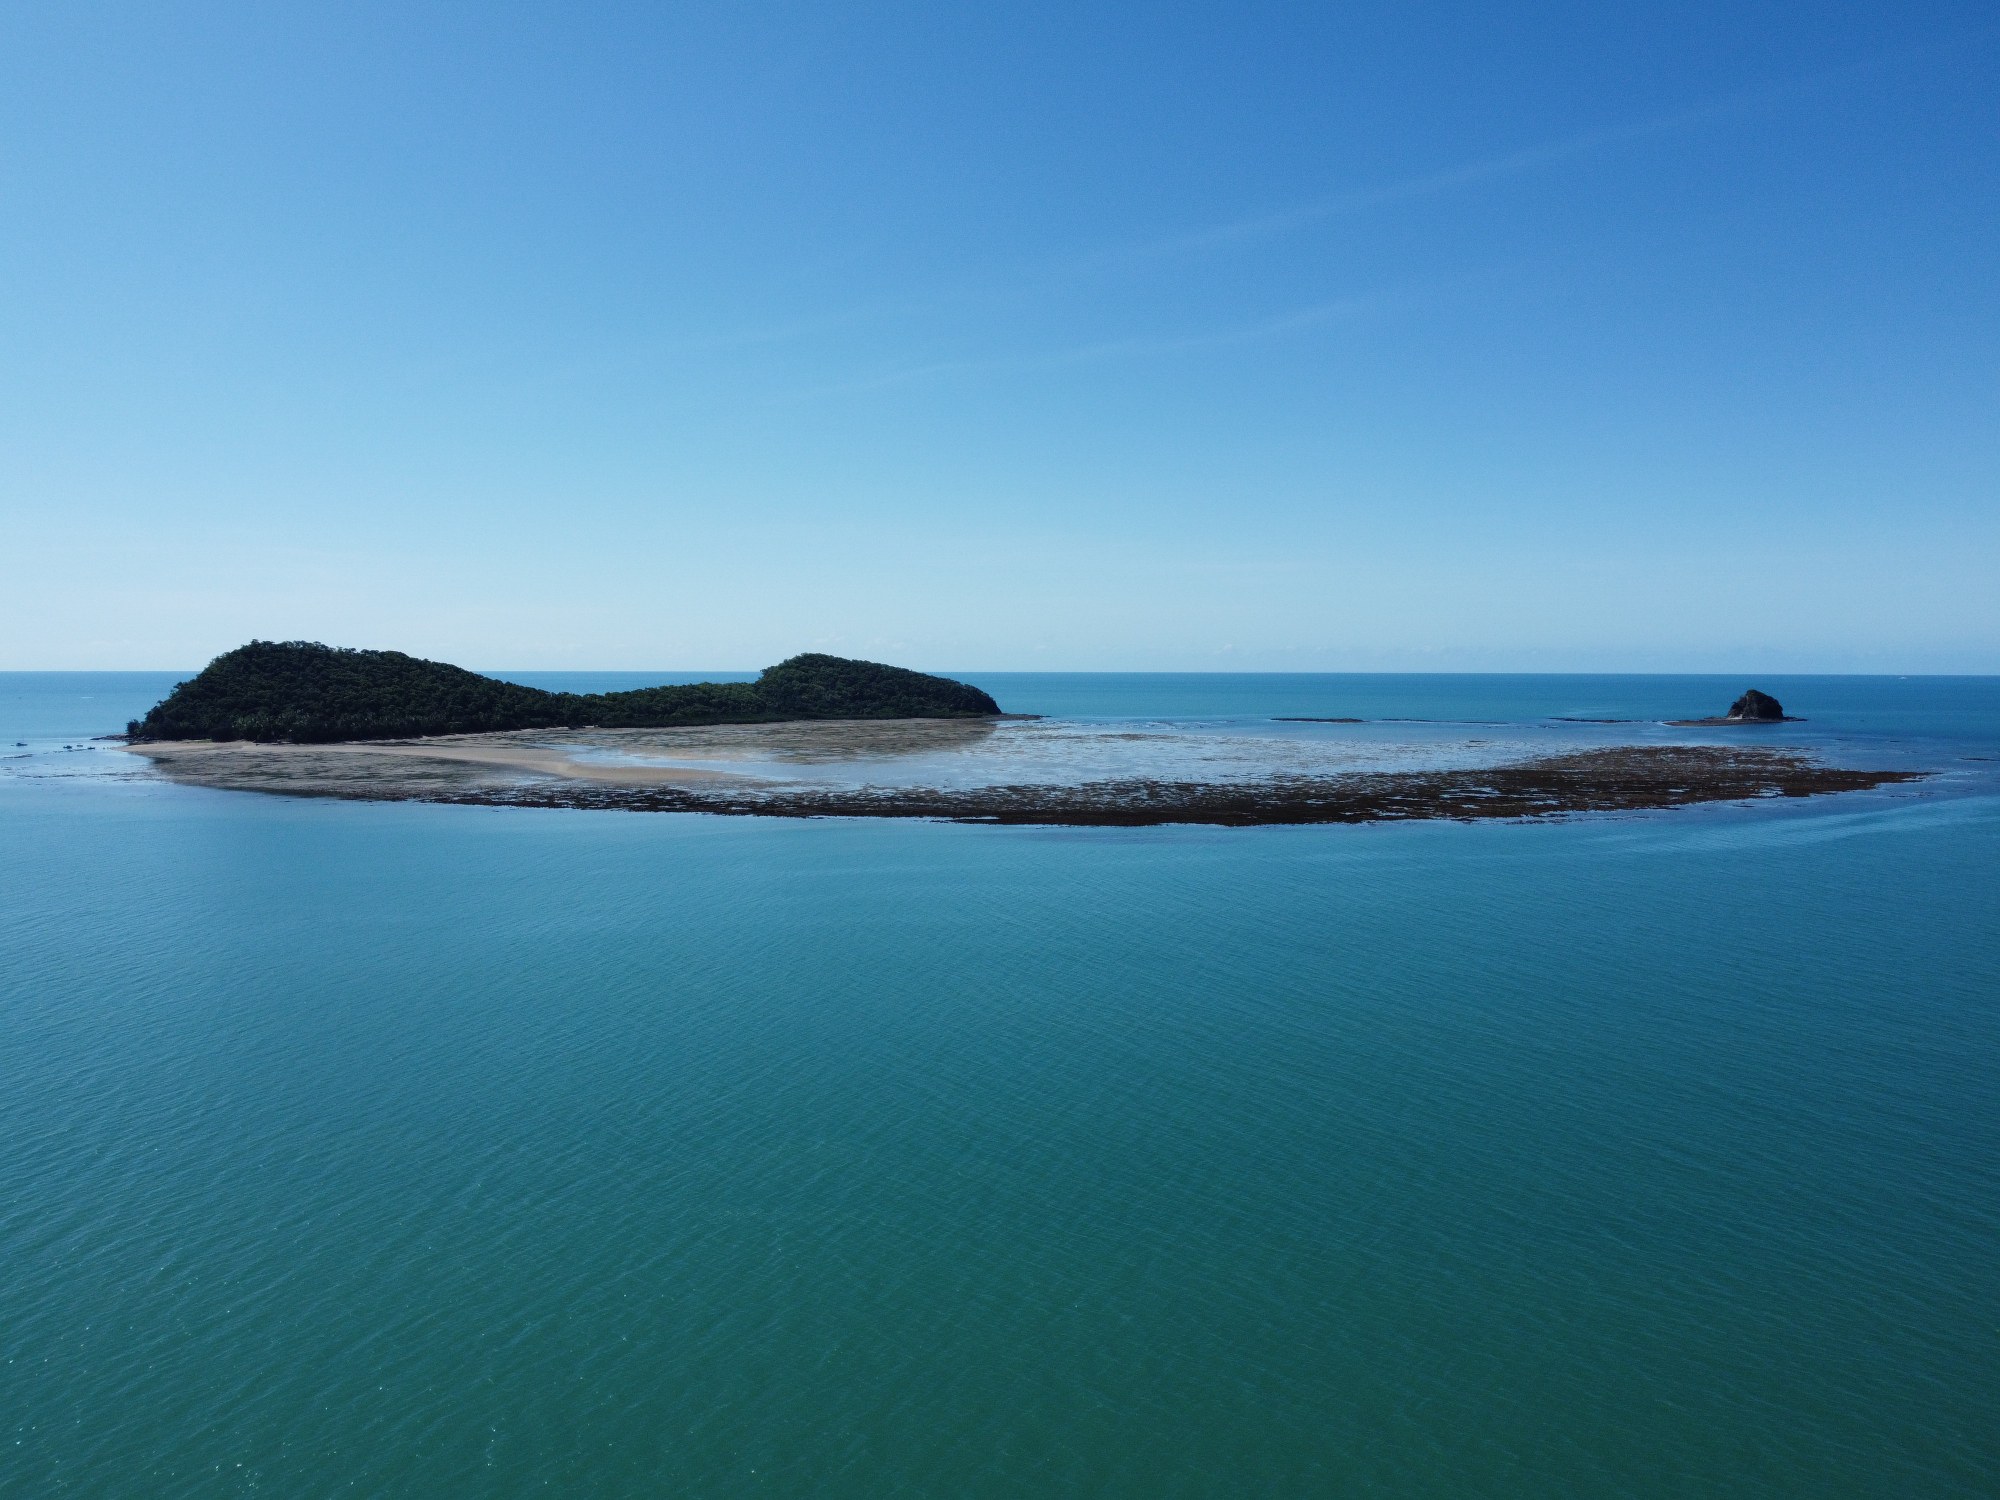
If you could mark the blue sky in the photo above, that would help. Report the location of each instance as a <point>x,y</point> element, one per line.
<point>1072,336</point>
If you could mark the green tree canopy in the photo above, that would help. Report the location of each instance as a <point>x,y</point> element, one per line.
<point>304,692</point>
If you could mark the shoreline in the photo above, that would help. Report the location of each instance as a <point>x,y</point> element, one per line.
<point>1712,723</point>
<point>188,757</point>
<point>1633,778</point>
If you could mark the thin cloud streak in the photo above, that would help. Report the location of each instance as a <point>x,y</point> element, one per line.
<point>1486,169</point>
<point>1249,230</point>
<point>1297,320</point>
<point>1109,349</point>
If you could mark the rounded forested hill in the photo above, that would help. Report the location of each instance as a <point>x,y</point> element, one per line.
<point>308,693</point>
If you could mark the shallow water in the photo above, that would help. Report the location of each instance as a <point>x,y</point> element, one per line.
<point>1066,752</point>
<point>408,1150</point>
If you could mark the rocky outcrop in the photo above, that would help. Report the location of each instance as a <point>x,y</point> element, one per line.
<point>1755,707</point>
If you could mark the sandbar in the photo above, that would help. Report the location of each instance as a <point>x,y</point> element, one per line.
<point>553,769</point>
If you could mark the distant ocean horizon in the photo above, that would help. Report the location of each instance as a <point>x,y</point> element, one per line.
<point>442,1151</point>
<point>1110,693</point>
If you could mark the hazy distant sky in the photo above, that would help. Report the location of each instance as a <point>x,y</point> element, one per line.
<point>1003,336</point>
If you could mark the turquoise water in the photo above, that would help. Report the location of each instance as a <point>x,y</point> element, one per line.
<point>405,1150</point>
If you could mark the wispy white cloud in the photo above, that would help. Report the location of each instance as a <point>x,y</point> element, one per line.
<point>1023,283</point>
<point>1304,319</point>
<point>1521,162</point>
<point>1296,320</point>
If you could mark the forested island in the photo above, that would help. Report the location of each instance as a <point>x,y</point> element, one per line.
<point>301,692</point>
<point>302,719</point>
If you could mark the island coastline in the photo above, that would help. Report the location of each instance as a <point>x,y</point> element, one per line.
<point>474,771</point>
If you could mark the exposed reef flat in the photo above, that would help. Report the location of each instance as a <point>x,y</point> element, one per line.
<point>513,771</point>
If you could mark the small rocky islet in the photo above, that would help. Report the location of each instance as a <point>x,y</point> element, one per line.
<point>1753,707</point>
<point>1756,706</point>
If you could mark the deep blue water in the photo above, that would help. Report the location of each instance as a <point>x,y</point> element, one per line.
<point>406,1150</point>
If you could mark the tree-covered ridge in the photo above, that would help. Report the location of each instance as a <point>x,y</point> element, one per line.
<point>308,693</point>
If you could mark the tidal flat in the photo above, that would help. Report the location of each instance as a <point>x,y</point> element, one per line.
<point>1017,772</point>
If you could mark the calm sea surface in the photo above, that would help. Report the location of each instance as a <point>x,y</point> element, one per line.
<point>395,1150</point>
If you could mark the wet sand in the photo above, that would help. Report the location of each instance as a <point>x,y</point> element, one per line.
<point>554,769</point>
<point>471,758</point>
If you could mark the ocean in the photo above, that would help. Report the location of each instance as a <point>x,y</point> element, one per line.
<point>407,1150</point>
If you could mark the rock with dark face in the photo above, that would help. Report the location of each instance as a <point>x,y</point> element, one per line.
<point>1756,706</point>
